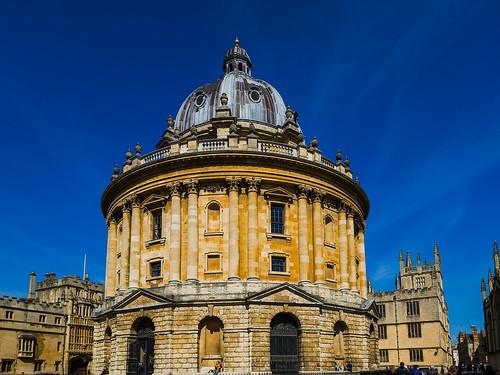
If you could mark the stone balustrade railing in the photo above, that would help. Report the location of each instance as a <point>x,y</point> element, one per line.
<point>212,145</point>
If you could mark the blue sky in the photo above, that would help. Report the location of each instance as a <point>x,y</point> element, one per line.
<point>408,90</point>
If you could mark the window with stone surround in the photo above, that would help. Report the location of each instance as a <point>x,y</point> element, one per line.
<point>381,310</point>
<point>278,264</point>
<point>213,263</point>
<point>213,219</point>
<point>416,355</point>
<point>382,332</point>
<point>7,365</point>
<point>329,231</point>
<point>420,281</point>
<point>41,318</point>
<point>413,308</point>
<point>26,346</point>
<point>414,330</point>
<point>277,218</point>
<point>278,202</point>
<point>330,271</point>
<point>155,268</point>
<point>57,320</point>
<point>156,228</point>
<point>384,355</point>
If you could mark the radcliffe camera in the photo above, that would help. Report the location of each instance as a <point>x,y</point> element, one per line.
<point>266,188</point>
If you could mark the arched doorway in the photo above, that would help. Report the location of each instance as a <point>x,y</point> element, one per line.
<point>211,343</point>
<point>284,345</point>
<point>78,365</point>
<point>140,359</point>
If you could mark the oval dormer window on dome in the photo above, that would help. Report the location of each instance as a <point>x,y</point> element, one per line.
<point>254,95</point>
<point>200,99</point>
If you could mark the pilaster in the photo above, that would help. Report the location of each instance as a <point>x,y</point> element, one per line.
<point>192,251</point>
<point>175,233</point>
<point>233,189</point>
<point>253,227</point>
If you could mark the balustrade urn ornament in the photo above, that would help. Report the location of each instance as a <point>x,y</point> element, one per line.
<point>251,128</point>
<point>116,172</point>
<point>128,154</point>
<point>289,113</point>
<point>138,149</point>
<point>314,143</point>
<point>339,156</point>
<point>232,128</point>
<point>170,123</point>
<point>301,138</point>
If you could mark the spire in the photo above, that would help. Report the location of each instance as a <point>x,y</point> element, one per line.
<point>437,258</point>
<point>490,280</point>
<point>370,287</point>
<point>401,261</point>
<point>409,263</point>
<point>496,257</point>
<point>483,289</point>
<point>398,283</point>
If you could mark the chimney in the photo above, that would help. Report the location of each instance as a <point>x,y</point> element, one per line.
<point>31,290</point>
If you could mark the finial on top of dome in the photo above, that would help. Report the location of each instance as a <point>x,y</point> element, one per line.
<point>236,42</point>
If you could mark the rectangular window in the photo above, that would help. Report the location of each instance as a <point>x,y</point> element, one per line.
<point>41,319</point>
<point>213,263</point>
<point>57,320</point>
<point>59,346</point>
<point>38,365</point>
<point>413,308</point>
<point>9,314</point>
<point>420,281</point>
<point>277,218</point>
<point>155,268</point>
<point>26,347</point>
<point>384,355</point>
<point>7,365</point>
<point>382,332</point>
<point>278,263</point>
<point>330,271</point>
<point>414,330</point>
<point>157,224</point>
<point>381,310</point>
<point>416,355</point>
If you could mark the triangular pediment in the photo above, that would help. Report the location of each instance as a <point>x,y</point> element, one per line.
<point>141,298</point>
<point>370,306</point>
<point>285,293</point>
<point>279,193</point>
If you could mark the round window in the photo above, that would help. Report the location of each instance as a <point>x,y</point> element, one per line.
<point>200,99</point>
<point>254,95</point>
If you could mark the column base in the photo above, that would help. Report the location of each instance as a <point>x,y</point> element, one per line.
<point>253,278</point>
<point>319,283</point>
<point>174,282</point>
<point>192,281</point>
<point>305,283</point>
<point>233,278</point>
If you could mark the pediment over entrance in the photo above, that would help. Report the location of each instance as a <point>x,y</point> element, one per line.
<point>285,293</point>
<point>370,306</point>
<point>141,298</point>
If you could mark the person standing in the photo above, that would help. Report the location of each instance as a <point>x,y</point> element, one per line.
<point>402,370</point>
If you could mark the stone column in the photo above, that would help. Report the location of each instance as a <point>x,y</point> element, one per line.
<point>192,240</point>
<point>303,234</point>
<point>125,250</point>
<point>344,272</point>
<point>111,258</point>
<point>351,251</point>
<point>175,233</point>
<point>135,237</point>
<point>362,261</point>
<point>253,226</point>
<point>234,228</point>
<point>319,267</point>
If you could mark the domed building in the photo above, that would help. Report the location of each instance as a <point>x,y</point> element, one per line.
<point>234,241</point>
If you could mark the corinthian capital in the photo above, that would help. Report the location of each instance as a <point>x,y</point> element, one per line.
<point>134,201</point>
<point>110,219</point>
<point>125,205</point>
<point>233,183</point>
<point>303,191</point>
<point>317,195</point>
<point>253,184</point>
<point>192,186</point>
<point>174,188</point>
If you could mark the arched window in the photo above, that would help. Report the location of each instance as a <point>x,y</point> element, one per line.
<point>214,224</point>
<point>211,343</point>
<point>284,344</point>
<point>340,331</point>
<point>329,230</point>
<point>140,359</point>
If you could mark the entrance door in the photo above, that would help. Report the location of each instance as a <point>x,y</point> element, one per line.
<point>140,359</point>
<point>284,345</point>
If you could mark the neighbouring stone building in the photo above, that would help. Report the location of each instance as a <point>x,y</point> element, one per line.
<point>50,331</point>
<point>471,347</point>
<point>234,241</point>
<point>413,326</point>
<point>491,308</point>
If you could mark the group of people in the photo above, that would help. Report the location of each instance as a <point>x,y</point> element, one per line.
<point>482,369</point>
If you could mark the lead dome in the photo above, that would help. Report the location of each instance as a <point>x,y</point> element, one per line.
<point>248,98</point>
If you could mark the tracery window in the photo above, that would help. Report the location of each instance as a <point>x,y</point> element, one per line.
<point>420,281</point>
